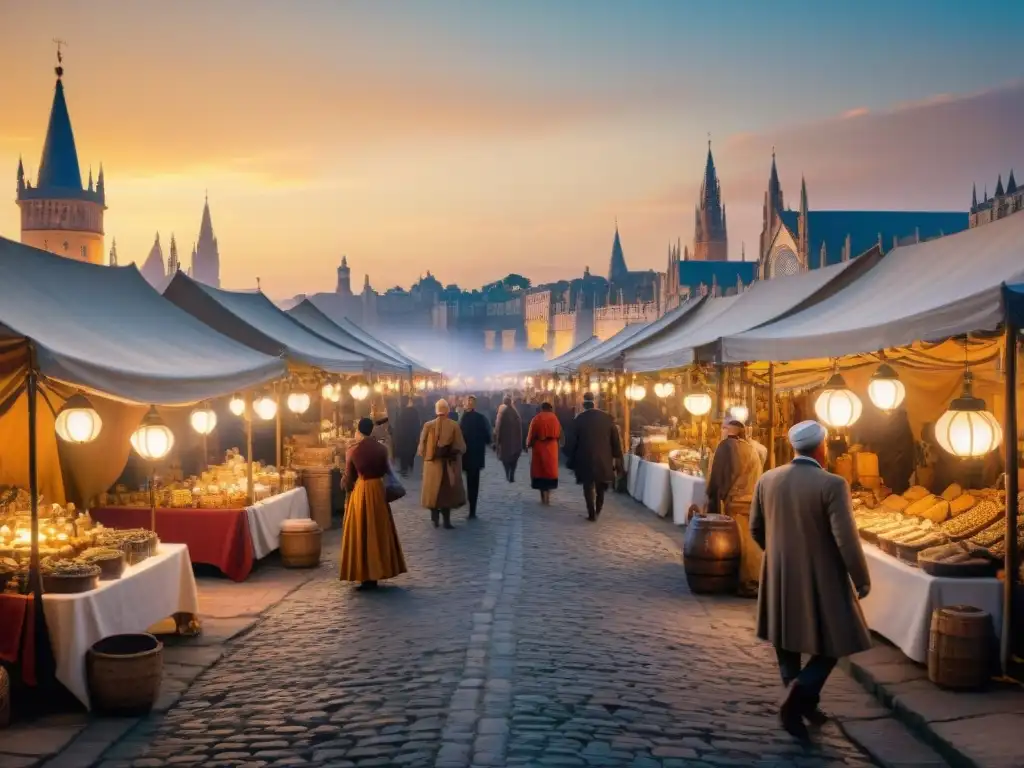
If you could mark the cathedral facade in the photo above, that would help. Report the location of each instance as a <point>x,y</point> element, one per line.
<point>58,213</point>
<point>1002,204</point>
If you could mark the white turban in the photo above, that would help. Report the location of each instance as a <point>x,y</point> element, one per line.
<point>807,435</point>
<point>441,406</point>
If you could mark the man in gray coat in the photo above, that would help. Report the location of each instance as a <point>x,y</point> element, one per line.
<point>594,452</point>
<point>802,516</point>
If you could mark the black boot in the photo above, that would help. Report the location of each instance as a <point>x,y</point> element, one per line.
<point>447,514</point>
<point>435,517</point>
<point>367,585</point>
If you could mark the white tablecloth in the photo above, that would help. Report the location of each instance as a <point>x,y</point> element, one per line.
<point>265,519</point>
<point>634,468</point>
<point>686,490</point>
<point>902,599</point>
<point>151,591</point>
<point>656,493</point>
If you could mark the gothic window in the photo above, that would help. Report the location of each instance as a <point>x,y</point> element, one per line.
<point>784,262</point>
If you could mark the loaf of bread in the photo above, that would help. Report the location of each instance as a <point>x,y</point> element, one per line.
<point>917,508</point>
<point>895,503</point>
<point>961,504</point>
<point>952,492</point>
<point>916,492</point>
<point>937,512</point>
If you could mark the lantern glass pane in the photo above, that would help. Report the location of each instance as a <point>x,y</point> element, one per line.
<point>298,402</point>
<point>152,441</point>
<point>838,408</point>
<point>203,421</point>
<point>237,406</point>
<point>698,404</point>
<point>886,394</point>
<point>968,434</point>
<point>78,425</point>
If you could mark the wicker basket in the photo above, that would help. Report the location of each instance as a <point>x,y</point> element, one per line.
<point>70,585</point>
<point>124,673</point>
<point>5,698</point>
<point>317,481</point>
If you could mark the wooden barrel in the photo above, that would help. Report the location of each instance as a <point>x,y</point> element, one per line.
<point>301,549</point>
<point>317,481</point>
<point>711,555</point>
<point>124,673</point>
<point>960,647</point>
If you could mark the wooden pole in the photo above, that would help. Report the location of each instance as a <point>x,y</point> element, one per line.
<point>1008,636</point>
<point>277,429</point>
<point>626,413</point>
<point>248,446</point>
<point>32,388</point>
<point>720,405</point>
<point>771,415</point>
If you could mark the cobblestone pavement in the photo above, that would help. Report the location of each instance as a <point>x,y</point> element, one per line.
<point>529,637</point>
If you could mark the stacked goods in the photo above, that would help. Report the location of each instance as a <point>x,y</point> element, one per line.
<point>136,543</point>
<point>976,519</point>
<point>954,560</point>
<point>69,577</point>
<point>110,561</point>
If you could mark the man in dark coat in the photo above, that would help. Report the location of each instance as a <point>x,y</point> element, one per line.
<point>593,452</point>
<point>508,437</point>
<point>802,517</point>
<point>407,436</point>
<point>476,431</point>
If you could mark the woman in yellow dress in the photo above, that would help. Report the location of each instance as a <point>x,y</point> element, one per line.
<point>370,549</point>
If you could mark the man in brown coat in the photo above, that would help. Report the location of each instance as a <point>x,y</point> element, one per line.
<point>442,448</point>
<point>802,517</point>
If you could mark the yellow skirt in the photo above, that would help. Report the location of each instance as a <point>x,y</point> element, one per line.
<point>370,550</point>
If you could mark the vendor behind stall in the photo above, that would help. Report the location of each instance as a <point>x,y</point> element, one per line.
<point>889,436</point>
<point>732,476</point>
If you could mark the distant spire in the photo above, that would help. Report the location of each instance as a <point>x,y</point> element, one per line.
<point>985,197</point>
<point>21,174</point>
<point>173,263</point>
<point>101,187</point>
<point>743,251</point>
<point>1011,184</point>
<point>59,167</point>
<point>803,194</point>
<point>617,269</point>
<point>823,256</point>
<point>775,200</point>
<point>999,187</point>
<point>90,179</point>
<point>113,253</point>
<point>974,197</point>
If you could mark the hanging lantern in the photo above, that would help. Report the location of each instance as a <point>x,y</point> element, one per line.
<point>837,406</point>
<point>298,402</point>
<point>885,390</point>
<point>664,389</point>
<point>203,420</point>
<point>378,387</point>
<point>327,391</point>
<point>237,405</point>
<point>595,387</point>
<point>967,429</point>
<point>359,391</point>
<point>265,407</point>
<point>697,403</point>
<point>78,422</point>
<point>153,440</point>
<point>740,412</point>
<point>635,392</point>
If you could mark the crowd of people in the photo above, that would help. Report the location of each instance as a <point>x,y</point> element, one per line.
<point>800,552</point>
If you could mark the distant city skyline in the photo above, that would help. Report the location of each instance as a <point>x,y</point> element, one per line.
<point>476,140</point>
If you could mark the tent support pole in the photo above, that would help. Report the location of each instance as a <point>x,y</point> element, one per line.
<point>1008,638</point>
<point>277,429</point>
<point>32,388</point>
<point>626,403</point>
<point>720,405</point>
<point>248,447</point>
<point>771,415</point>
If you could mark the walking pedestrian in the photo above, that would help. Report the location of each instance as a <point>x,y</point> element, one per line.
<point>594,452</point>
<point>542,439</point>
<point>802,517</point>
<point>442,447</point>
<point>734,472</point>
<point>508,437</point>
<point>408,435</point>
<point>370,549</point>
<point>476,431</point>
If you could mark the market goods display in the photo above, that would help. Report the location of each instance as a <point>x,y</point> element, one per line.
<point>955,560</point>
<point>975,520</point>
<point>69,577</point>
<point>685,460</point>
<point>111,561</point>
<point>136,543</point>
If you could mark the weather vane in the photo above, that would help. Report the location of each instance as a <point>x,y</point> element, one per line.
<point>60,56</point>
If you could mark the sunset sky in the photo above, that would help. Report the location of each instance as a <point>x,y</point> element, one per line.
<point>477,138</point>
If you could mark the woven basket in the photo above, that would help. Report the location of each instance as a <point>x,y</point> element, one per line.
<point>5,698</point>
<point>124,673</point>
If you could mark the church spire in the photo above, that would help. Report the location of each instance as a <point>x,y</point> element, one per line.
<point>1011,184</point>
<point>999,186</point>
<point>974,198</point>
<point>173,263</point>
<point>617,266</point>
<point>710,240</point>
<point>113,253</point>
<point>59,167</point>
<point>774,187</point>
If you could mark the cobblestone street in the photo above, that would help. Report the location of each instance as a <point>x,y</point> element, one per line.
<point>528,637</point>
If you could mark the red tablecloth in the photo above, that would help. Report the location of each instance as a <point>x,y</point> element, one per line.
<point>218,537</point>
<point>18,634</point>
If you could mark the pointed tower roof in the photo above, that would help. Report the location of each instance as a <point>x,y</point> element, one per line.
<point>709,187</point>
<point>999,187</point>
<point>774,187</point>
<point>58,168</point>
<point>113,253</point>
<point>974,197</point>
<point>153,268</point>
<point>206,225</point>
<point>1011,184</point>
<point>617,266</point>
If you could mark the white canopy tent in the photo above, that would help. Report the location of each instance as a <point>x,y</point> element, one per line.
<point>105,329</point>
<point>763,302</point>
<point>254,320</point>
<point>923,292</point>
<point>611,353</point>
<point>317,322</point>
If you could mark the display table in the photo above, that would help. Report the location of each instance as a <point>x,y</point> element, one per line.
<point>902,599</point>
<point>686,490</point>
<point>217,537</point>
<point>656,493</point>
<point>265,517</point>
<point>156,588</point>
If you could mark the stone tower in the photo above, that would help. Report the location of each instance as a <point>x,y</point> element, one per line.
<point>58,214</point>
<point>710,241</point>
<point>205,254</point>
<point>344,278</point>
<point>617,270</point>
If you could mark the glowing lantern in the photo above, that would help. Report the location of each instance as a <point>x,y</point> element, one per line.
<point>237,405</point>
<point>967,429</point>
<point>664,389</point>
<point>153,440</point>
<point>837,405</point>
<point>697,403</point>
<point>327,391</point>
<point>635,392</point>
<point>359,391</point>
<point>740,412</point>
<point>203,420</point>
<point>78,421</point>
<point>885,389</point>
<point>265,407</point>
<point>298,402</point>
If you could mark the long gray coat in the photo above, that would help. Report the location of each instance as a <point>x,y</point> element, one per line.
<point>593,447</point>
<point>508,434</point>
<point>802,517</point>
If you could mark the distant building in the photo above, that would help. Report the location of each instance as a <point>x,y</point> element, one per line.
<point>796,241</point>
<point>1000,205</point>
<point>59,214</point>
<point>205,265</point>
